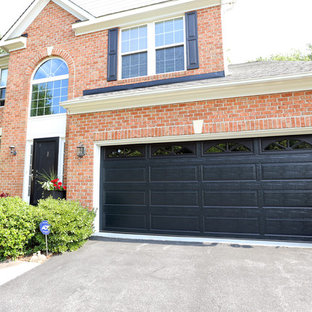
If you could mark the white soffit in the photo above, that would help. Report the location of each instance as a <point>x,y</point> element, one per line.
<point>4,60</point>
<point>177,93</point>
<point>34,10</point>
<point>13,44</point>
<point>142,15</point>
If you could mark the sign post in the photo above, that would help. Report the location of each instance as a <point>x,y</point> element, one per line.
<point>45,230</point>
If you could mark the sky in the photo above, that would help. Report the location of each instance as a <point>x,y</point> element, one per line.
<point>251,28</point>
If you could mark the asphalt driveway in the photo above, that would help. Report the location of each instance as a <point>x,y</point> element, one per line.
<point>121,276</point>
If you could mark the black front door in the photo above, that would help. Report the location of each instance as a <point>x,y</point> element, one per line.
<point>45,159</point>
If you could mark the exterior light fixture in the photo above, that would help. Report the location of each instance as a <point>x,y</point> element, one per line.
<point>81,150</point>
<point>13,150</point>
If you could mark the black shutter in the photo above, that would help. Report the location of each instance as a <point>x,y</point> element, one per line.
<point>112,56</point>
<point>191,40</point>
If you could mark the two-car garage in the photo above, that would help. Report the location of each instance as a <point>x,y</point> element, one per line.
<point>253,188</point>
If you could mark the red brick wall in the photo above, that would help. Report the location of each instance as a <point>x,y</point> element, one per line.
<point>1,115</point>
<point>277,111</point>
<point>86,57</point>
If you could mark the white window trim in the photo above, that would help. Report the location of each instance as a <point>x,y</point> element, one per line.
<point>4,87</point>
<point>37,81</point>
<point>151,48</point>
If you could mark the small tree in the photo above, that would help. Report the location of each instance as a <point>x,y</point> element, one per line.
<point>295,55</point>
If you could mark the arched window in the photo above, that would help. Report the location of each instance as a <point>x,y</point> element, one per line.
<point>49,88</point>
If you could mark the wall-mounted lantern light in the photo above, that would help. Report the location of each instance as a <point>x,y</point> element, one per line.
<point>81,150</point>
<point>13,150</point>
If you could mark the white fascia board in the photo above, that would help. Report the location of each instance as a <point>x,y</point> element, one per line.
<point>26,19</point>
<point>14,44</point>
<point>33,11</point>
<point>0,132</point>
<point>75,10</point>
<point>177,94</point>
<point>142,15</point>
<point>4,60</point>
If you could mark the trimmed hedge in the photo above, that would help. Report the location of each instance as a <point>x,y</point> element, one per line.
<point>71,226</point>
<point>17,226</point>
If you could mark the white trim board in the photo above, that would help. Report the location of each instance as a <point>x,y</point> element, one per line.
<point>202,240</point>
<point>185,93</point>
<point>34,10</point>
<point>4,61</point>
<point>15,44</point>
<point>208,136</point>
<point>127,18</point>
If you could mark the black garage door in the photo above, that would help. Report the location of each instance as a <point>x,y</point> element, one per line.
<point>256,188</point>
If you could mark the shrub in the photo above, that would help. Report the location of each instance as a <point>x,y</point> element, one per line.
<point>4,195</point>
<point>17,226</point>
<point>71,225</point>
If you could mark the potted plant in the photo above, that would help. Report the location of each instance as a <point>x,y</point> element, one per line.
<point>52,186</point>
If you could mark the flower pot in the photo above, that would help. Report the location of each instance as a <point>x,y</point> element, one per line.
<point>54,194</point>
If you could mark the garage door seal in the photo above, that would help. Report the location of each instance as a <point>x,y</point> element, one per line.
<point>165,239</point>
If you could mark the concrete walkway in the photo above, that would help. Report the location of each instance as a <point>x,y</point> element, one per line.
<point>11,270</point>
<point>121,276</point>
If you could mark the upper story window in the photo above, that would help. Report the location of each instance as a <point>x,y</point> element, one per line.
<point>134,52</point>
<point>49,88</point>
<point>169,42</point>
<point>3,83</point>
<point>153,48</point>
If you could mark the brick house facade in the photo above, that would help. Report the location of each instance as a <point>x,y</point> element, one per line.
<point>137,111</point>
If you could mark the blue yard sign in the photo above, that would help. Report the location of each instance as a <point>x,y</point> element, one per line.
<point>45,230</point>
<point>45,227</point>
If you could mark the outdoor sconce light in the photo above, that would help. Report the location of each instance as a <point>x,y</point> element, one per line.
<point>81,150</point>
<point>13,150</point>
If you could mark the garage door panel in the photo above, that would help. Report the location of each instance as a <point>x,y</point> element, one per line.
<point>288,213</point>
<point>125,187</point>
<point>170,174</point>
<point>182,198</point>
<point>178,187</point>
<point>174,223</point>
<point>289,227</point>
<point>169,210</point>
<point>289,198</point>
<point>291,185</point>
<point>231,212</point>
<point>232,226</point>
<point>234,186</point>
<point>125,221</point>
<point>286,171</point>
<point>125,197</point>
<point>229,172</point>
<point>125,175</point>
<point>230,198</point>
<point>125,209</point>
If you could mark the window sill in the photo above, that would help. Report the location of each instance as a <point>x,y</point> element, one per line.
<point>154,76</point>
<point>53,116</point>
